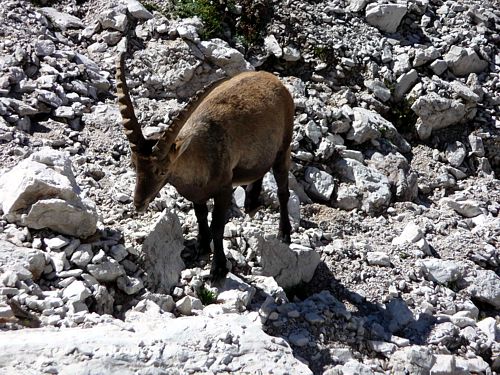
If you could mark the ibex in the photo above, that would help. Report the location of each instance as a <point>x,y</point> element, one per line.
<point>231,134</point>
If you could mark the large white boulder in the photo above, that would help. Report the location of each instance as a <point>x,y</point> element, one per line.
<point>41,192</point>
<point>385,17</point>
<point>152,344</point>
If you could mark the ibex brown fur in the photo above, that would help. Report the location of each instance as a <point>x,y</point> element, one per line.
<point>235,132</point>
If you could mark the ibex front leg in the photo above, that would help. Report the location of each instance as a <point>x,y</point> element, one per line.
<point>222,202</point>
<point>280,171</point>
<point>204,236</point>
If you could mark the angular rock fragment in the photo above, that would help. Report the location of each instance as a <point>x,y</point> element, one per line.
<point>463,61</point>
<point>386,17</point>
<point>162,251</point>
<point>42,193</point>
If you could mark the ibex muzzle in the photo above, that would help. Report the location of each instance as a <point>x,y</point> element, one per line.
<point>232,134</point>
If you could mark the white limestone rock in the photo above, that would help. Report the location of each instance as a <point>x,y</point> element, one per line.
<point>138,11</point>
<point>61,21</point>
<point>177,346</point>
<point>229,59</point>
<point>436,112</point>
<point>463,61</point>
<point>289,265</point>
<point>415,360</point>
<point>369,125</point>
<point>235,294</point>
<point>42,193</point>
<point>321,184</point>
<point>385,17</point>
<point>21,261</point>
<point>440,271</point>
<point>162,251</point>
<point>486,287</point>
<point>373,186</point>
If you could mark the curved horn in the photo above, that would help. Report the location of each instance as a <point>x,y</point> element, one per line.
<point>132,128</point>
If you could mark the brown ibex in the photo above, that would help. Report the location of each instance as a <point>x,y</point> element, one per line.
<point>232,134</point>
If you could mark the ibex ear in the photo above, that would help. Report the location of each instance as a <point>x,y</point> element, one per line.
<point>179,147</point>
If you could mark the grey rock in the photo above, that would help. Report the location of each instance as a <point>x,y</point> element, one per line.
<point>114,18</point>
<point>439,67</point>
<point>272,46</point>
<point>404,83</point>
<point>321,183</point>
<point>441,271</point>
<point>415,360</point>
<point>230,60</point>
<point>21,261</point>
<point>488,327</point>
<point>382,347</point>
<point>348,197</point>
<point>385,17</point>
<point>83,255</point>
<point>299,339</point>
<point>379,89</point>
<point>436,112</point>
<point>357,5</point>
<point>291,53</point>
<point>289,265</point>
<point>61,21</point>
<point>486,287</point>
<point>137,10</point>
<point>162,250</point>
<point>445,364</point>
<point>467,208</point>
<point>235,294</point>
<point>463,61</point>
<point>42,193</point>
<point>130,285</point>
<point>44,47</point>
<point>456,153</point>
<point>108,270</point>
<point>378,258</point>
<point>368,125</point>
<point>374,186</point>
<point>187,304</point>
<point>425,56</point>
<point>76,291</point>
<point>476,145</point>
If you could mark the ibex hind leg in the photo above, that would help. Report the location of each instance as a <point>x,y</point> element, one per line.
<point>222,202</point>
<point>204,235</point>
<point>252,202</point>
<point>280,171</point>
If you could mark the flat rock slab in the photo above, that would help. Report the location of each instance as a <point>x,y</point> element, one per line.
<point>229,343</point>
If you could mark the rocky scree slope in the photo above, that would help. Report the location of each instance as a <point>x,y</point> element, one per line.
<point>394,183</point>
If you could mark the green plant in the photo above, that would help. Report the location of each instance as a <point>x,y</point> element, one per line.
<point>207,296</point>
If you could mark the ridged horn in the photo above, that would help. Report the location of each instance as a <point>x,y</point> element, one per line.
<point>132,128</point>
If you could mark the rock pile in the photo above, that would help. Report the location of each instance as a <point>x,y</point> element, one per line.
<point>395,255</point>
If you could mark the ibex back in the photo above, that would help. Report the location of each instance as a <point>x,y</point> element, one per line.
<point>232,134</point>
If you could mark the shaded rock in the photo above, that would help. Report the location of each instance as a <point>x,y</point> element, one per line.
<point>42,193</point>
<point>162,251</point>
<point>466,208</point>
<point>138,11</point>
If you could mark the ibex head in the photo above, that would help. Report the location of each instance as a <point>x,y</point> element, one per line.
<point>151,159</point>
